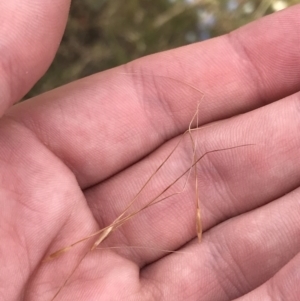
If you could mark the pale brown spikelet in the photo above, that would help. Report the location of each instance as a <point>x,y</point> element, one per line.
<point>57,253</point>
<point>199,224</point>
<point>102,237</point>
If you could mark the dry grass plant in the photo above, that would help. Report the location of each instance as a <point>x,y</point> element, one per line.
<point>126,215</point>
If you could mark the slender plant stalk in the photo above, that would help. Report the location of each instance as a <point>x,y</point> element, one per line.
<point>105,232</point>
<point>125,216</point>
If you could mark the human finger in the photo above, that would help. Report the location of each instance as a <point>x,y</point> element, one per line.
<point>104,123</point>
<point>30,34</point>
<point>284,285</point>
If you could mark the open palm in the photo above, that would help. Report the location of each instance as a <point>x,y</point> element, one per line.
<point>73,158</point>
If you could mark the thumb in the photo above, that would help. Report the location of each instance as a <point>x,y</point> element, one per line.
<point>30,33</point>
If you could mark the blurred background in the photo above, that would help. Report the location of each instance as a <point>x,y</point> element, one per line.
<point>102,34</point>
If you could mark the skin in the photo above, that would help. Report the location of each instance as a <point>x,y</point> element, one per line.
<point>72,158</point>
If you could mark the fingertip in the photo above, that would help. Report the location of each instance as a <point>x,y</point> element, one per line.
<point>30,35</point>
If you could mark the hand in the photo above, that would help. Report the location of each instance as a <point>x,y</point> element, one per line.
<point>72,159</point>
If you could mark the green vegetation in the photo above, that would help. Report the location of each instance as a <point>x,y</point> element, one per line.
<point>102,34</point>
